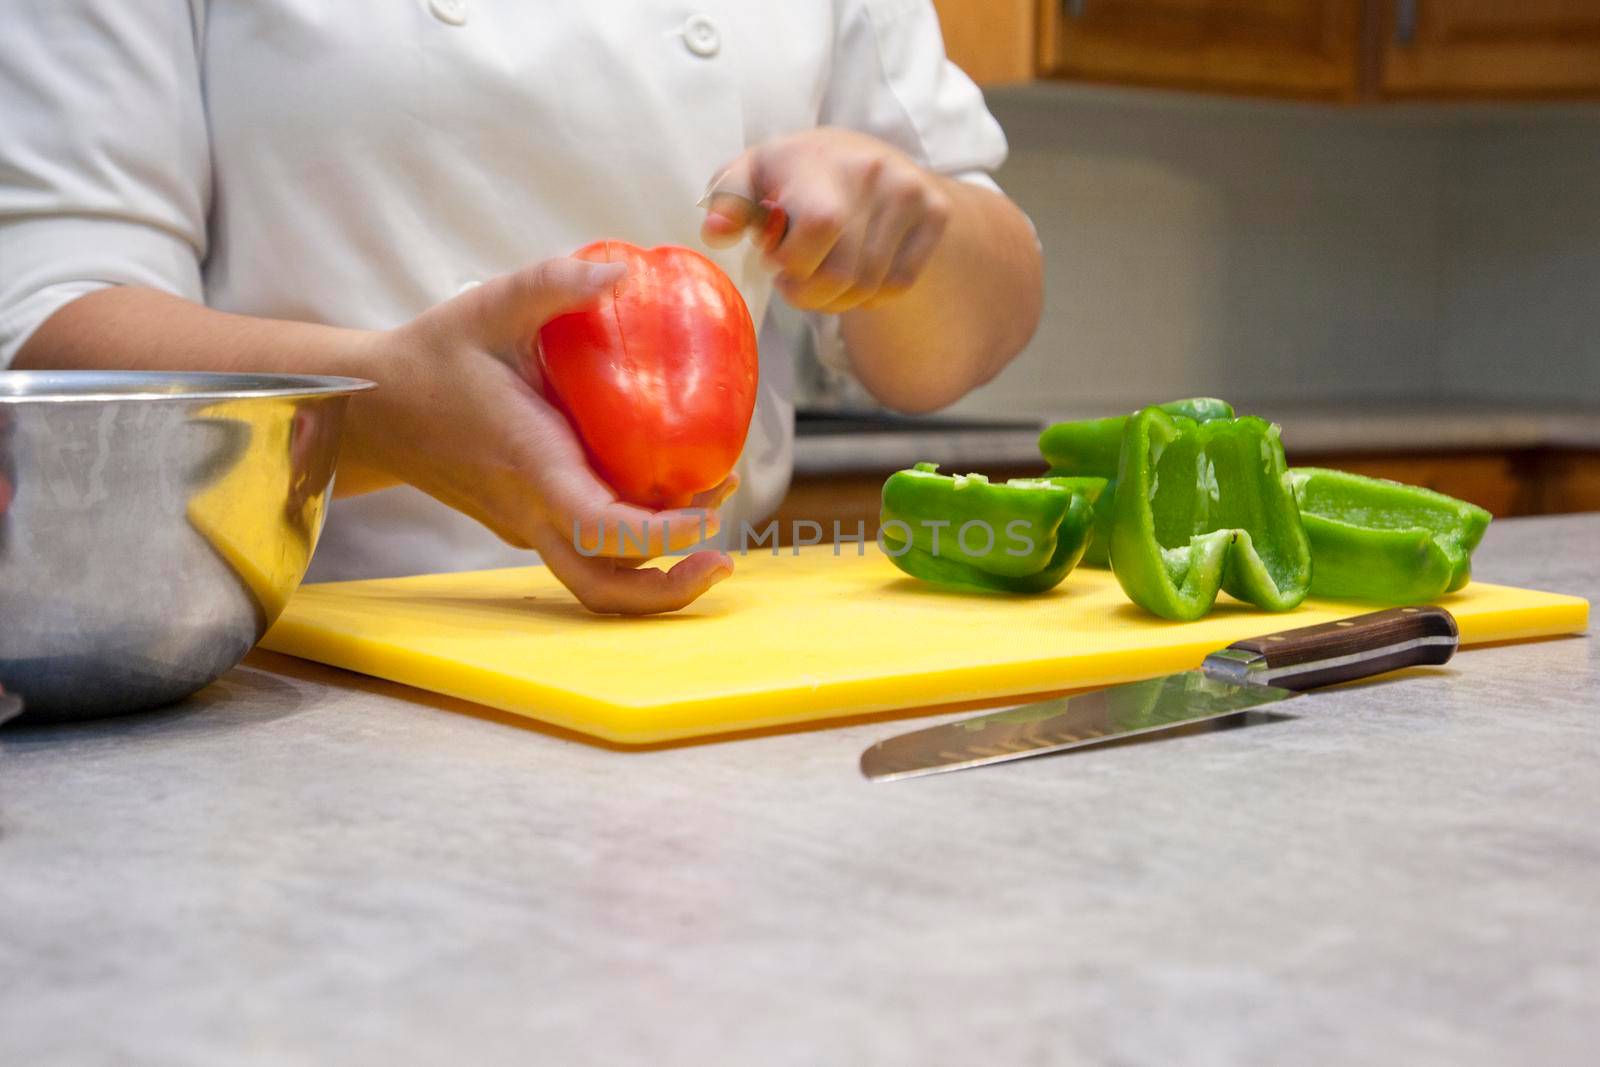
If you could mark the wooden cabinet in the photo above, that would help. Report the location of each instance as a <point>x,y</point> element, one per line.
<point>1303,48</point>
<point>1344,50</point>
<point>1533,481</point>
<point>850,500</point>
<point>1489,48</point>
<point>1565,482</point>
<point>1503,482</point>
<point>992,40</point>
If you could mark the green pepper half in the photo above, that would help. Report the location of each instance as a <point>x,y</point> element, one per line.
<point>1020,536</point>
<point>1373,539</point>
<point>1202,507</point>
<point>1090,448</point>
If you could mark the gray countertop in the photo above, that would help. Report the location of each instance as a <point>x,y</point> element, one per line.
<point>302,865</point>
<point>1351,427</point>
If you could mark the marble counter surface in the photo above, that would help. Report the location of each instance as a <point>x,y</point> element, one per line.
<point>304,866</point>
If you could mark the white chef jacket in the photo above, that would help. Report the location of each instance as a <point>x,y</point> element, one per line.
<point>353,162</point>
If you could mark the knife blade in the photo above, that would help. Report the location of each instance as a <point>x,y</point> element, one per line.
<point>1248,674</point>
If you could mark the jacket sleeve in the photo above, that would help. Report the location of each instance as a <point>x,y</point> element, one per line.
<point>891,79</point>
<point>105,173</point>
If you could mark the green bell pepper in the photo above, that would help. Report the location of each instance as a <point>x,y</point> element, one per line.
<point>1090,449</point>
<point>1373,539</point>
<point>1020,536</point>
<point>1202,507</point>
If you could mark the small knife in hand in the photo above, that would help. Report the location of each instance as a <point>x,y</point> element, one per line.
<point>1247,674</point>
<point>730,194</point>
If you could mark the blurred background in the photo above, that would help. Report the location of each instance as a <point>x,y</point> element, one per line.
<point>1373,221</point>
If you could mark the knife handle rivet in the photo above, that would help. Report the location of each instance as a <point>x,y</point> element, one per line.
<point>1342,622</point>
<point>1274,637</point>
<point>1408,611</point>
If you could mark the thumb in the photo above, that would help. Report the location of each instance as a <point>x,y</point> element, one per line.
<point>729,202</point>
<point>507,310</point>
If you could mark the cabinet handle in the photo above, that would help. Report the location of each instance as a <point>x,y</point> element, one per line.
<point>1074,9</point>
<point>1405,22</point>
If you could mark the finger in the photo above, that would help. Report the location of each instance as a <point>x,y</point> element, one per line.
<point>886,233</point>
<point>857,298</point>
<point>814,294</point>
<point>610,587</point>
<point>581,505</point>
<point>835,277</point>
<point>729,202</point>
<point>847,301</point>
<point>774,229</point>
<point>874,256</point>
<point>508,310</point>
<point>884,295</point>
<point>714,498</point>
<point>814,229</point>
<point>913,255</point>
<point>542,453</point>
<point>727,216</point>
<point>622,530</point>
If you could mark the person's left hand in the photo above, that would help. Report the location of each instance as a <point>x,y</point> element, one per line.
<point>863,217</point>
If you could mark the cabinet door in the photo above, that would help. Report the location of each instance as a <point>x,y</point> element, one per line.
<point>1504,482</point>
<point>1297,48</point>
<point>992,40</point>
<point>1490,48</point>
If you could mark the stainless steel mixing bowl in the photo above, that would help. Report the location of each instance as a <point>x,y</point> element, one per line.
<point>152,526</point>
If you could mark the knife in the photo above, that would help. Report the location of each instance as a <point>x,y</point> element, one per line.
<point>1247,674</point>
<point>730,193</point>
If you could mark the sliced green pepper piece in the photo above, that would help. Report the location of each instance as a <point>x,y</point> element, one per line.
<point>1202,507</point>
<point>1089,448</point>
<point>1098,554</point>
<point>1373,539</point>
<point>1020,536</point>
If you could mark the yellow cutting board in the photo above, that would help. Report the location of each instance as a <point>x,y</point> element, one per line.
<point>790,638</point>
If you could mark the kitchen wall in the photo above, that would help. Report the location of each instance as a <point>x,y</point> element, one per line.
<point>1520,311</point>
<point>1276,252</point>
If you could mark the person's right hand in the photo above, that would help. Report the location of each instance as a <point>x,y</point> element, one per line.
<point>454,416</point>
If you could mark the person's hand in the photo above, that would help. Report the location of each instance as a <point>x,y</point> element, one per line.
<point>458,414</point>
<point>863,217</point>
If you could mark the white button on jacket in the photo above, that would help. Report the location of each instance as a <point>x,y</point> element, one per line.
<point>452,11</point>
<point>700,34</point>
<point>351,163</point>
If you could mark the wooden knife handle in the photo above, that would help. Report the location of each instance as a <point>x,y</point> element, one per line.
<point>1353,648</point>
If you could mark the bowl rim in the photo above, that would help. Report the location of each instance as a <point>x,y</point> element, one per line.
<point>95,386</point>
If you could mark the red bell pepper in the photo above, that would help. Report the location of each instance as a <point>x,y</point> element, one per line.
<point>659,376</point>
